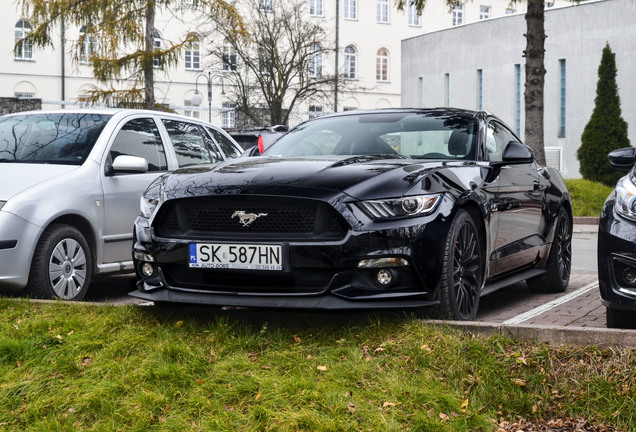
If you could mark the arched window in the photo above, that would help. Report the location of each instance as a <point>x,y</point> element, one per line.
<point>350,62</point>
<point>23,50</point>
<point>382,65</point>
<point>85,46</point>
<point>193,54</point>
<point>315,61</point>
<point>156,43</point>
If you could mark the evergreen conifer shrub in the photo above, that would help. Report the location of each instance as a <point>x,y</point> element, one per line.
<point>606,129</point>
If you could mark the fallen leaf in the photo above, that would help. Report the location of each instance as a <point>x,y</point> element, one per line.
<point>200,381</point>
<point>258,396</point>
<point>379,350</point>
<point>351,407</point>
<point>388,404</point>
<point>86,360</point>
<point>443,416</point>
<point>321,368</point>
<point>464,403</point>
<point>178,324</point>
<point>297,339</point>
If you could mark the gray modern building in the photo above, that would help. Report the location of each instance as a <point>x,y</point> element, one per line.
<point>481,66</point>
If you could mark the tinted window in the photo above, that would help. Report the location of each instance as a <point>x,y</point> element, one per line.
<point>140,137</point>
<point>497,137</point>
<point>191,144</point>
<point>49,138</point>
<point>228,147</point>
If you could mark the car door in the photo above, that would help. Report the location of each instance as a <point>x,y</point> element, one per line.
<point>516,204</point>
<point>122,190</point>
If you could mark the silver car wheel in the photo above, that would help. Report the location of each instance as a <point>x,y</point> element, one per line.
<point>67,269</point>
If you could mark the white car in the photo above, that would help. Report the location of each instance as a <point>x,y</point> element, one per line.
<point>70,184</point>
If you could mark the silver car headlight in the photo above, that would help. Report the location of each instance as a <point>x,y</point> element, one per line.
<point>625,203</point>
<point>406,206</point>
<point>147,206</point>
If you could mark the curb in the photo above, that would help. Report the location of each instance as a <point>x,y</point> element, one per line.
<point>580,336</point>
<point>585,220</point>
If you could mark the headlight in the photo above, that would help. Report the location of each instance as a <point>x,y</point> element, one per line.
<point>147,206</point>
<point>2,203</point>
<point>415,205</point>
<point>625,203</point>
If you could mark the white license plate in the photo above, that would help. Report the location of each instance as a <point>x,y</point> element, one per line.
<point>236,256</point>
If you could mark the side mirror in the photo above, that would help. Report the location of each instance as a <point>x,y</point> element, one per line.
<point>516,153</point>
<point>622,159</point>
<point>127,164</point>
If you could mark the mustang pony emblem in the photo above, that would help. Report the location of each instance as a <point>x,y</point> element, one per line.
<point>247,218</point>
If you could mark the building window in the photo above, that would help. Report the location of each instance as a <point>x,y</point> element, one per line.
<point>349,108</point>
<point>23,50</point>
<point>447,89</point>
<point>458,14</point>
<point>265,5</point>
<point>383,11</point>
<point>562,104</point>
<point>188,111</point>
<point>510,10</point>
<point>156,43</point>
<point>382,65</point>
<point>84,47</point>
<point>315,7</point>
<point>315,61</point>
<point>351,9</point>
<point>228,115</point>
<point>315,111</point>
<point>414,16</point>
<point>23,95</point>
<point>484,12</point>
<point>193,55</point>
<point>230,58</point>
<point>480,89</point>
<point>518,98</point>
<point>350,63</point>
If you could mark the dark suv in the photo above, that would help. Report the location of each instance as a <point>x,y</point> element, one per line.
<point>261,137</point>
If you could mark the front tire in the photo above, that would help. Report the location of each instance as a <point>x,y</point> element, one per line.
<point>61,266</point>
<point>559,265</point>
<point>462,271</point>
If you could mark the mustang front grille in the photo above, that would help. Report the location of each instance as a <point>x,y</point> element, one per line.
<point>248,217</point>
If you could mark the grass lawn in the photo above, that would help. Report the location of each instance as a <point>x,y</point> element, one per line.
<point>70,367</point>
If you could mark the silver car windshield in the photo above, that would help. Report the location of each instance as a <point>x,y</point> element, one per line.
<point>61,138</point>
<point>431,135</point>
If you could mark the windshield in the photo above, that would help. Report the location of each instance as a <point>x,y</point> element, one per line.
<point>420,135</point>
<point>49,138</point>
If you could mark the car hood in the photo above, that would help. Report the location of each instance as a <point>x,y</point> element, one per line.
<point>365,177</point>
<point>17,177</point>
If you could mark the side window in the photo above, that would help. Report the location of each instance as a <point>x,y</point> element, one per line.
<point>191,144</point>
<point>230,150</point>
<point>140,137</point>
<point>497,137</point>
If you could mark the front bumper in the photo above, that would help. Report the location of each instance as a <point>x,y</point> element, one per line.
<point>18,239</point>
<point>617,260</point>
<point>316,275</point>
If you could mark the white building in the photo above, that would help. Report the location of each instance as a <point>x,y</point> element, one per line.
<point>369,34</point>
<point>481,66</point>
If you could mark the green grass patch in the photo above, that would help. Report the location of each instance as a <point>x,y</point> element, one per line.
<point>587,196</point>
<point>69,367</point>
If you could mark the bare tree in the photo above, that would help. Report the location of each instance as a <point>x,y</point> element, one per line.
<point>277,64</point>
<point>119,50</point>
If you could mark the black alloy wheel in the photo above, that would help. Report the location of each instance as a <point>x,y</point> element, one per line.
<point>559,266</point>
<point>462,270</point>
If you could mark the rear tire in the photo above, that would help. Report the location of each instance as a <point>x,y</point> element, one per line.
<point>559,266</point>
<point>462,271</point>
<point>62,265</point>
<point>620,319</point>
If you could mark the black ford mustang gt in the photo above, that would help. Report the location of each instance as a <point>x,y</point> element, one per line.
<point>401,208</point>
